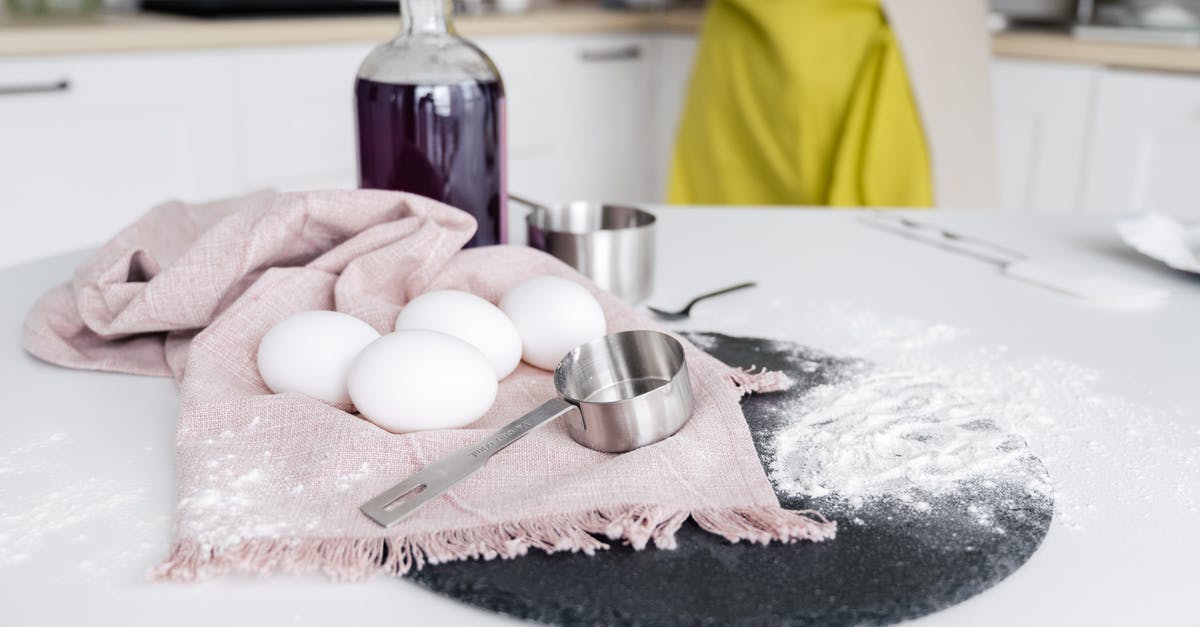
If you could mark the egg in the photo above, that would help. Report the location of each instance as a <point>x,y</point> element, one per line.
<point>468,318</point>
<point>416,379</point>
<point>552,316</point>
<point>310,352</point>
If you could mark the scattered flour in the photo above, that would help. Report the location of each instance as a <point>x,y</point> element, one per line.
<point>238,492</point>
<point>224,511</point>
<point>928,412</point>
<point>51,504</point>
<point>347,481</point>
<point>890,432</point>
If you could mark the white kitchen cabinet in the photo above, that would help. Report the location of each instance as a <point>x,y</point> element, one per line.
<point>529,72</point>
<point>578,115</point>
<point>131,130</point>
<point>1145,150</point>
<point>93,142</point>
<point>672,73</point>
<point>295,115</point>
<point>1043,114</point>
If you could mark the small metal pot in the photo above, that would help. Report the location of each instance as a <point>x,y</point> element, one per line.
<point>612,245</point>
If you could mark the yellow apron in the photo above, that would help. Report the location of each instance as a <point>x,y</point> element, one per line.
<point>799,102</point>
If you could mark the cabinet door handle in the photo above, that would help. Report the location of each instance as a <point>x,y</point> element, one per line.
<point>35,88</point>
<point>624,53</point>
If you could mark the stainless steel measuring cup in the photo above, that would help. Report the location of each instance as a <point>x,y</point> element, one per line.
<point>612,245</point>
<point>617,393</point>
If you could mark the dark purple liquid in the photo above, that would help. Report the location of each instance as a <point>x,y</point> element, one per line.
<point>441,141</point>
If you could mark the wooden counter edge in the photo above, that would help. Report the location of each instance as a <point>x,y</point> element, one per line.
<point>143,32</point>
<point>1042,46</point>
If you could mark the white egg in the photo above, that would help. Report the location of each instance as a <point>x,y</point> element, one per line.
<point>552,316</point>
<point>418,379</point>
<point>468,318</point>
<point>310,352</point>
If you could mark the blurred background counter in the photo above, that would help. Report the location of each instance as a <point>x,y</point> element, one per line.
<point>128,31</point>
<point>190,108</point>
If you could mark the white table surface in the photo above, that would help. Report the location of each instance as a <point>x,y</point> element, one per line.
<point>86,467</point>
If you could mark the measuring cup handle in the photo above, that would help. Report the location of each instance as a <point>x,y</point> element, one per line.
<point>396,503</point>
<point>518,428</point>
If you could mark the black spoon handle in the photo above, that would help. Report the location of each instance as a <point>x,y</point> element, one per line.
<point>724,290</point>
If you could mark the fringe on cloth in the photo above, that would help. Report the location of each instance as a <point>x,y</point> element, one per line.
<point>748,381</point>
<point>359,558</point>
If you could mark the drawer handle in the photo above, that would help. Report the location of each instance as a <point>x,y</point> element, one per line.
<point>36,88</point>
<point>624,53</point>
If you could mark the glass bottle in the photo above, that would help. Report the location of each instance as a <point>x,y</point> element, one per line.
<point>430,115</point>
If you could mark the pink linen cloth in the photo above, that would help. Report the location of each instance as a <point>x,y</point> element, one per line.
<point>272,482</point>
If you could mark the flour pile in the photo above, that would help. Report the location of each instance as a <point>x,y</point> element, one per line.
<point>899,433</point>
<point>923,418</point>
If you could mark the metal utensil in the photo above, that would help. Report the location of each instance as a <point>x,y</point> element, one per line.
<point>617,393</point>
<point>612,245</point>
<point>528,202</point>
<point>957,242</point>
<point>687,309</point>
<point>1102,289</point>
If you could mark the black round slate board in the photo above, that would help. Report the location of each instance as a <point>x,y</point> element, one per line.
<point>887,564</point>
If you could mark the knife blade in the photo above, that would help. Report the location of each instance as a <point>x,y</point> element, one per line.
<point>1096,288</point>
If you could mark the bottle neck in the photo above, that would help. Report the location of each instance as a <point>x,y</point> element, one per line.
<point>426,17</point>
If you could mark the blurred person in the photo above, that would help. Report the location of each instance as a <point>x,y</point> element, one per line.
<point>809,102</point>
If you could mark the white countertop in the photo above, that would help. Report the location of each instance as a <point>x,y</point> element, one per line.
<point>105,441</point>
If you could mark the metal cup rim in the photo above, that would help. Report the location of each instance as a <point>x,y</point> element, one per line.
<point>560,371</point>
<point>645,219</point>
